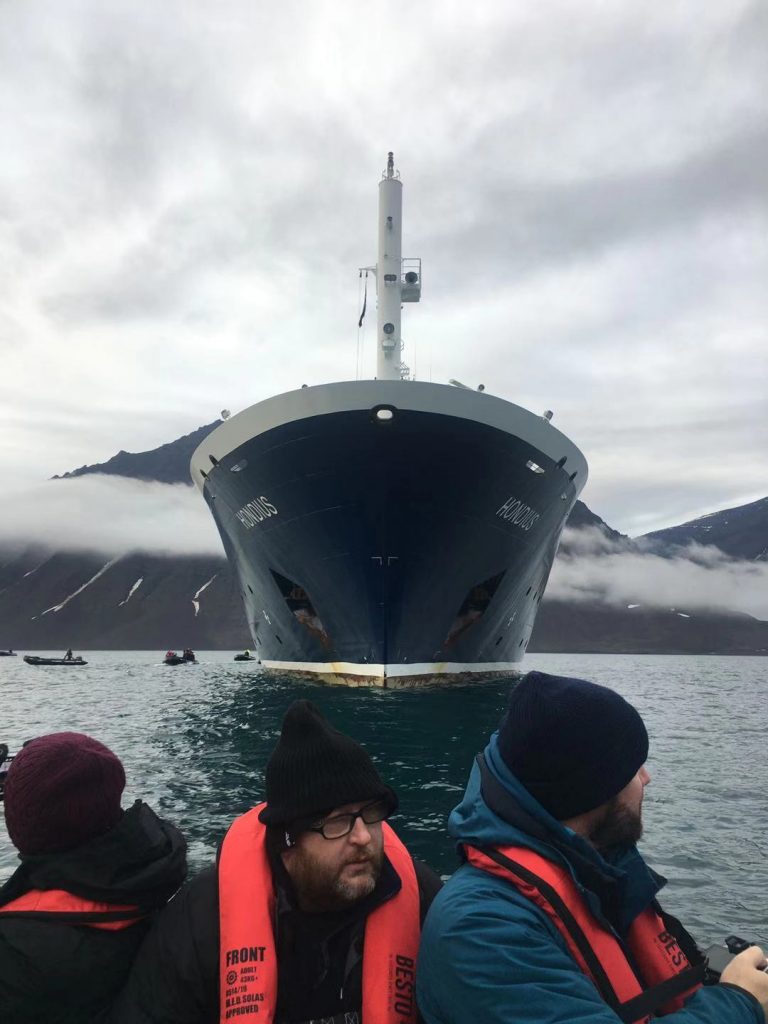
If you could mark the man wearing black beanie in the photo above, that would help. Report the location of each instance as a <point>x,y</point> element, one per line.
<point>313,911</point>
<point>553,917</point>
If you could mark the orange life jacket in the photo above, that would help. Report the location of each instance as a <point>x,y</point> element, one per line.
<point>64,907</point>
<point>666,978</point>
<point>247,950</point>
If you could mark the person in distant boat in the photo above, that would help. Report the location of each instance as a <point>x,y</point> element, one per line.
<point>68,655</point>
<point>92,875</point>
<point>553,914</point>
<point>312,912</point>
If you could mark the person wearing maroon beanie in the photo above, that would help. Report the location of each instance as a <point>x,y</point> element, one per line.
<point>91,877</point>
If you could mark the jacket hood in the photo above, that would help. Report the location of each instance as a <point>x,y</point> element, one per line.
<point>142,860</point>
<point>525,821</point>
<point>497,810</point>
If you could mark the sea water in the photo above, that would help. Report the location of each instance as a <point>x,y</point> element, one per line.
<point>194,740</point>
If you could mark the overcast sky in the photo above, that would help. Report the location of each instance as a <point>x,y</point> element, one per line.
<point>188,189</point>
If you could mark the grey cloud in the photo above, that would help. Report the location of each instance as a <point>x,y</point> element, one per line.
<point>521,228</point>
<point>187,196</point>
<point>621,574</point>
<point>110,515</point>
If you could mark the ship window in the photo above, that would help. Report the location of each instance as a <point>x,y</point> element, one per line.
<point>528,591</point>
<point>301,607</point>
<point>498,641</point>
<point>562,462</point>
<point>278,639</point>
<point>249,587</point>
<point>214,460</point>
<point>534,466</point>
<point>473,607</point>
<point>573,475</point>
<point>203,474</point>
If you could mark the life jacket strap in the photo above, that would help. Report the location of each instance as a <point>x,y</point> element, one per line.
<point>651,1000</point>
<point>61,907</point>
<point>78,916</point>
<point>594,967</point>
<point>648,1002</point>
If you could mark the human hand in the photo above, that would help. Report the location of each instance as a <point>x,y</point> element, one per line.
<point>747,971</point>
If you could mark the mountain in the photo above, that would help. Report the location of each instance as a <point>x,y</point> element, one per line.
<point>138,601</point>
<point>592,628</point>
<point>582,517</point>
<point>54,599</point>
<point>168,464</point>
<point>739,532</point>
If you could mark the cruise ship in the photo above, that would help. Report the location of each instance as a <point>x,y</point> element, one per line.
<point>390,532</point>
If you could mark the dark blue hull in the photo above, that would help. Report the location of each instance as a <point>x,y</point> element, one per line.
<point>390,551</point>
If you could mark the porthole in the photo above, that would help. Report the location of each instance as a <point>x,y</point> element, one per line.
<point>383,414</point>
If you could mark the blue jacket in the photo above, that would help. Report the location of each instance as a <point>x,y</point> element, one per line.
<point>489,955</point>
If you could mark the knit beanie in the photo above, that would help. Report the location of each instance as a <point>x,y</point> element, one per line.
<point>573,744</point>
<point>315,768</point>
<point>62,790</point>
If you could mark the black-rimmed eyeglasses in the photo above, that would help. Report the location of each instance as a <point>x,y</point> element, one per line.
<point>342,824</point>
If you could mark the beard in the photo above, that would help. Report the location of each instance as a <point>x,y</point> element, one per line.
<point>325,887</point>
<point>619,826</point>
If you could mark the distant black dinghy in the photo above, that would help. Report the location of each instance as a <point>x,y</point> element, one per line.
<point>31,659</point>
<point>7,654</point>
<point>187,658</point>
<point>245,656</point>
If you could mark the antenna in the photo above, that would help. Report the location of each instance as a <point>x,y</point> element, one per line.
<point>398,280</point>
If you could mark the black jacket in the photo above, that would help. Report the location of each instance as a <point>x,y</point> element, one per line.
<point>175,976</point>
<point>61,971</point>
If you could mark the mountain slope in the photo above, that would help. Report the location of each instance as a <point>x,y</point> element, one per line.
<point>740,532</point>
<point>168,464</point>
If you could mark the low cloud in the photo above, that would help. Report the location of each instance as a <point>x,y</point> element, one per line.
<point>110,515</point>
<point>593,567</point>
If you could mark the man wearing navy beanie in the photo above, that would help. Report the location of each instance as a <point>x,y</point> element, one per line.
<point>553,915</point>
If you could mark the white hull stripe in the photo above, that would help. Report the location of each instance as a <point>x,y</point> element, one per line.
<point>422,668</point>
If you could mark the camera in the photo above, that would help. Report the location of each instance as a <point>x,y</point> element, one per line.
<point>718,957</point>
<point>5,764</point>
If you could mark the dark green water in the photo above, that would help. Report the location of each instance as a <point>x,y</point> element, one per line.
<point>194,741</point>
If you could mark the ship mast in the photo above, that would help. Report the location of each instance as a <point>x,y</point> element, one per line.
<point>397,280</point>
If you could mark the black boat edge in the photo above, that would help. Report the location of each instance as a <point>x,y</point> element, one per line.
<point>78,662</point>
